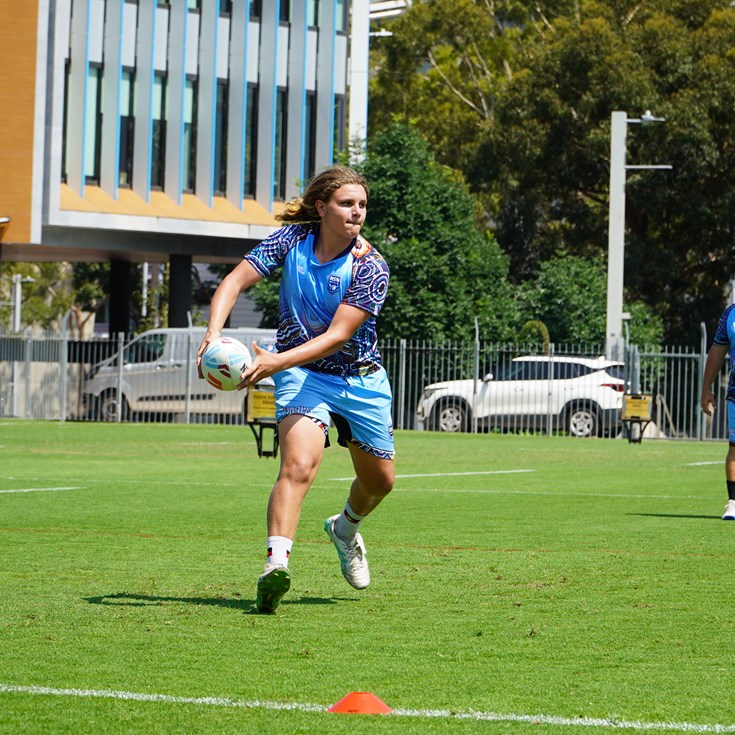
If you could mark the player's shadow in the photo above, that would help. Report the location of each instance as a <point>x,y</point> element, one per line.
<point>676,515</point>
<point>127,599</point>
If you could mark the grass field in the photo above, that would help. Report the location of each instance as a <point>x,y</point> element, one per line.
<point>520,585</point>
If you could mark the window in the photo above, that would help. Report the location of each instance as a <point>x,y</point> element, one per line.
<point>220,139</point>
<point>279,167</point>
<point>127,128</point>
<point>93,125</point>
<point>341,16</point>
<point>194,4</point>
<point>64,140</point>
<point>284,11</point>
<point>568,370</point>
<point>535,370</point>
<point>256,9</point>
<point>523,370</point>
<point>251,136</point>
<point>312,13</point>
<point>310,135</point>
<point>340,123</point>
<point>225,7</point>
<point>189,164</point>
<point>147,349</point>
<point>158,147</point>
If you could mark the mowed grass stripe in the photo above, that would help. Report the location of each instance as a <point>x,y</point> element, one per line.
<point>147,584</point>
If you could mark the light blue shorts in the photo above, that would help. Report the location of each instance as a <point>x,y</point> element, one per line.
<point>360,406</point>
<point>731,420</point>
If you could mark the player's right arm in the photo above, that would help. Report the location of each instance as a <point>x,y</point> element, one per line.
<point>233,284</point>
<point>715,357</point>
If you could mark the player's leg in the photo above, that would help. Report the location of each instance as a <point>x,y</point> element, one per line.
<point>729,514</point>
<point>366,428</point>
<point>301,443</point>
<point>374,480</point>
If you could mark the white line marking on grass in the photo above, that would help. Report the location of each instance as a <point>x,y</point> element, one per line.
<point>451,474</point>
<point>702,464</point>
<point>207,444</point>
<point>548,492</point>
<point>540,719</point>
<point>42,489</point>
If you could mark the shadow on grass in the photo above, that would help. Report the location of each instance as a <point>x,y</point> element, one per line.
<point>247,606</point>
<point>676,515</point>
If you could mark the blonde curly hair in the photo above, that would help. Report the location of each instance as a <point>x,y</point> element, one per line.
<point>321,187</point>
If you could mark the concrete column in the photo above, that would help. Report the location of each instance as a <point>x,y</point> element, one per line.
<point>121,286</point>
<point>179,290</point>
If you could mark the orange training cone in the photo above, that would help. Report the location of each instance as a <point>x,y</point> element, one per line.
<point>360,703</point>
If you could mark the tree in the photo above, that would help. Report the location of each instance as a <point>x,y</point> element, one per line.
<point>549,150</point>
<point>444,270</point>
<point>45,297</point>
<point>532,135</point>
<point>569,296</point>
<point>447,64</point>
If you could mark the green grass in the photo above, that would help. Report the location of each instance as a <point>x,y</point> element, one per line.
<point>595,585</point>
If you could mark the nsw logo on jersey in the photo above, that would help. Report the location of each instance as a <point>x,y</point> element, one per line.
<point>333,283</point>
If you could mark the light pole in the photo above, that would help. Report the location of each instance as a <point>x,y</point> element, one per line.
<point>614,340</point>
<point>18,282</point>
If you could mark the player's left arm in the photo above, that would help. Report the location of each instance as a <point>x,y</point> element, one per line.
<point>346,321</point>
<point>715,359</point>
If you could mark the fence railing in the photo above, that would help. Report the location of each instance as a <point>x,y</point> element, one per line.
<point>464,386</point>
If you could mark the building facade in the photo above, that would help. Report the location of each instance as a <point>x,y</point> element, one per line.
<point>169,130</point>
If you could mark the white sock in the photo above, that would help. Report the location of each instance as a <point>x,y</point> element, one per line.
<point>279,549</point>
<point>348,522</point>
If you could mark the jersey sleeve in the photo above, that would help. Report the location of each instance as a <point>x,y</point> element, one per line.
<point>370,279</point>
<point>721,336</point>
<point>271,252</point>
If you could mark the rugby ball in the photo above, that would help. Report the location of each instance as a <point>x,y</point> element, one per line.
<point>222,362</point>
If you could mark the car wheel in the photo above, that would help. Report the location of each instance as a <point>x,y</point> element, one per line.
<point>582,421</point>
<point>107,407</point>
<point>452,417</point>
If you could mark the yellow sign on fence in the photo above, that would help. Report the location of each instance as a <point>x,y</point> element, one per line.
<point>260,414</point>
<point>261,405</point>
<point>636,408</point>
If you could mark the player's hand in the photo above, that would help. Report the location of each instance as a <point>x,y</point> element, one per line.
<point>208,337</point>
<point>707,403</point>
<point>265,364</point>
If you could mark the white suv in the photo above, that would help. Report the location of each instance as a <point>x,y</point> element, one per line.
<point>580,395</point>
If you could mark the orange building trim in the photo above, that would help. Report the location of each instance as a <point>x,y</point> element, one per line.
<point>18,55</point>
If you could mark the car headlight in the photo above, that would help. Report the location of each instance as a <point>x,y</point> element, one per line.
<point>429,391</point>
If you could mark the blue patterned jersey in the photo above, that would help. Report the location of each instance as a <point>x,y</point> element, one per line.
<point>725,337</point>
<point>311,292</point>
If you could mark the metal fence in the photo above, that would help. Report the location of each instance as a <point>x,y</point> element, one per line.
<point>483,386</point>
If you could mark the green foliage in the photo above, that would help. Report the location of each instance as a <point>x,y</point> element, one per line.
<point>554,191</point>
<point>569,296</point>
<point>535,331</point>
<point>46,293</point>
<point>532,133</point>
<point>444,270</point>
<point>265,295</point>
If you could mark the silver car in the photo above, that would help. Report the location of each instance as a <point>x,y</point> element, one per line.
<point>156,374</point>
<point>537,393</point>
